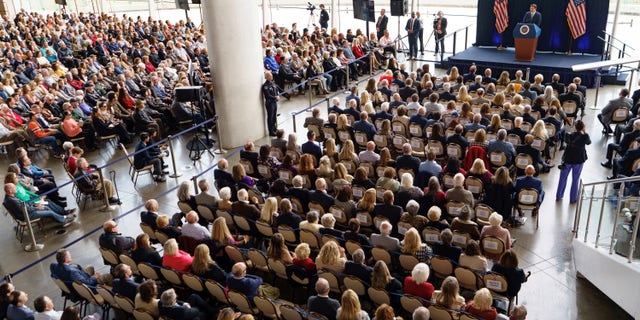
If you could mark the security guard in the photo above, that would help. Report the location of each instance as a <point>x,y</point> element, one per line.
<point>271,96</point>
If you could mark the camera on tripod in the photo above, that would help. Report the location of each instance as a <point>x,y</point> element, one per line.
<point>310,7</point>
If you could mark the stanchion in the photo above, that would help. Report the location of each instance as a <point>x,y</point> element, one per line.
<point>528,74</point>
<point>310,94</point>
<point>220,150</point>
<point>195,184</point>
<point>105,198</point>
<point>595,100</point>
<point>370,65</point>
<point>328,104</point>
<point>293,116</point>
<point>33,246</point>
<point>175,173</point>
<point>348,78</point>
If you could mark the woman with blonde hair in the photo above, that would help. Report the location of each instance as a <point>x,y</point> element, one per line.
<point>504,80</point>
<point>331,257</point>
<point>365,97</point>
<point>368,108</point>
<point>368,201</point>
<point>330,150</point>
<point>302,259</point>
<point>378,99</point>
<point>382,279</point>
<point>549,95</point>
<point>495,124</point>
<point>481,307</point>
<point>292,143</point>
<point>480,139</point>
<point>448,296</point>
<point>269,211</point>
<point>341,178</point>
<point>412,244</point>
<point>162,222</point>
<point>416,284</point>
<point>350,307</point>
<point>343,123</point>
<point>174,258</point>
<point>463,95</point>
<point>385,158</point>
<point>221,236</point>
<point>478,170</point>
<point>278,250</point>
<point>205,267</point>
<point>509,90</point>
<point>539,131</point>
<point>325,169</point>
<point>454,73</point>
<point>348,153</point>
<point>498,100</point>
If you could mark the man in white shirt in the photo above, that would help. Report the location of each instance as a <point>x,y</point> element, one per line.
<point>193,229</point>
<point>44,309</point>
<point>369,155</point>
<point>312,222</point>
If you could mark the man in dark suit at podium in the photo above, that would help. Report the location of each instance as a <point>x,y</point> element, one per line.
<point>533,16</point>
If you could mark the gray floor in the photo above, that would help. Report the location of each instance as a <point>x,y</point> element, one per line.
<point>553,290</point>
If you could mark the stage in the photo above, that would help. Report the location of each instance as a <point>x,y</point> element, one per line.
<point>545,63</point>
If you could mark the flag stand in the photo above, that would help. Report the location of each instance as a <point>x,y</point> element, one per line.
<point>570,46</point>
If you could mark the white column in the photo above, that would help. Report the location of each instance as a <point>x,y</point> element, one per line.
<point>334,14</point>
<point>235,53</point>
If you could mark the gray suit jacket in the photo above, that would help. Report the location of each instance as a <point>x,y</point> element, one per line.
<point>387,242</point>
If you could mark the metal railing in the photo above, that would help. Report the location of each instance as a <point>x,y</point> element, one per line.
<point>593,192</point>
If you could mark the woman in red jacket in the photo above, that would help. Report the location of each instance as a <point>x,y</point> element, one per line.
<point>175,258</point>
<point>416,284</point>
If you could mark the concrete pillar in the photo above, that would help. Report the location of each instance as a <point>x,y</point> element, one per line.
<point>334,14</point>
<point>235,53</point>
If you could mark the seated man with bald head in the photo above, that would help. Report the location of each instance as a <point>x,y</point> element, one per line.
<point>322,303</point>
<point>240,281</point>
<point>113,240</point>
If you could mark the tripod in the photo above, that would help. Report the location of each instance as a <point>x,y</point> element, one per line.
<point>398,40</point>
<point>197,146</point>
<point>312,19</point>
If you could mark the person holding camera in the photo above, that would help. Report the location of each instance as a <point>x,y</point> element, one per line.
<point>574,157</point>
<point>439,32</point>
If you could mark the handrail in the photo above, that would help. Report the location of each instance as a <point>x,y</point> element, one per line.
<point>620,196</point>
<point>460,29</point>
<point>616,39</point>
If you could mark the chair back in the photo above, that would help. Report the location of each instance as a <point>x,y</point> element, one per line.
<point>474,185</point>
<point>142,314</point>
<point>378,296</point>
<point>109,256</point>
<point>227,218</point>
<point>349,165</point>
<point>507,124</point>
<point>184,207</point>
<point>526,126</point>
<point>329,133</point>
<point>193,282</point>
<point>368,168</point>
<point>483,212</point>
<point>357,192</point>
<point>460,239</point>
<point>86,293</point>
<point>234,254</point>
<point>148,272</point>
<point>570,108</point>
<point>361,139</point>
<point>247,165</point>
<point>551,129</point>
<point>278,267</point>
<point>454,151</point>
<point>296,205</point>
<point>410,303</point>
<point>492,247</point>
<point>454,208</point>
<point>365,219</point>
<point>107,296</point>
<point>132,264</point>
<point>351,247</point>
<point>294,155</point>
<point>496,283</point>
<point>124,303</point>
<point>240,301</point>
<point>497,159</point>
<point>286,175</point>
<point>407,262</point>
<point>344,135</point>
<point>381,254</point>
<point>288,234</point>
<point>265,171</point>
<point>206,213</point>
<point>431,235</point>
<point>339,214</point>
<point>316,206</point>
<point>468,279</point>
<point>216,290</point>
<point>441,266</point>
<point>523,160</point>
<point>436,147</point>
<point>311,238</point>
<point>266,307</point>
<point>356,284</point>
<point>380,141</point>
<point>148,230</point>
<point>402,171</point>
<point>416,130</point>
<point>332,278</point>
<point>527,198</point>
<point>258,259</point>
<point>399,128</point>
<point>514,139</point>
<point>398,141</point>
<point>403,227</point>
<point>620,115</point>
<point>264,229</point>
<point>171,275</point>
<point>439,313</point>
<point>242,223</point>
<point>539,144</point>
<point>447,181</point>
<point>289,312</point>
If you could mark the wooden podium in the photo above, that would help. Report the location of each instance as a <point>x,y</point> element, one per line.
<point>525,36</point>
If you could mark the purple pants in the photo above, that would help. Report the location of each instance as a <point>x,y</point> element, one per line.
<point>575,177</point>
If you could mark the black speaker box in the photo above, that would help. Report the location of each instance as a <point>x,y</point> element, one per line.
<point>195,1</point>
<point>61,2</point>
<point>188,94</point>
<point>399,8</point>
<point>182,4</point>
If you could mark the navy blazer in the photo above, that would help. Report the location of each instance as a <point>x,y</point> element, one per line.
<point>69,273</point>
<point>449,251</point>
<point>312,148</point>
<point>126,287</point>
<point>361,271</point>
<point>535,18</point>
<point>326,306</point>
<point>179,311</point>
<point>141,159</point>
<point>366,127</point>
<point>247,285</point>
<point>301,194</point>
<point>289,219</point>
<point>529,182</point>
<point>149,218</point>
<point>323,198</point>
<point>390,211</point>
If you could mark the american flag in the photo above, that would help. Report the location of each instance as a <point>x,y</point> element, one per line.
<point>502,16</point>
<point>577,17</point>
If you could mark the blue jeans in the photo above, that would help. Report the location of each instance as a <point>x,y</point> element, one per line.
<point>55,208</point>
<point>575,177</point>
<point>50,141</point>
<point>46,213</point>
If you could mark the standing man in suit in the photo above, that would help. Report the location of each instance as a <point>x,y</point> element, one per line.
<point>533,16</point>
<point>324,17</point>
<point>440,31</point>
<point>412,28</point>
<point>271,97</point>
<point>381,24</point>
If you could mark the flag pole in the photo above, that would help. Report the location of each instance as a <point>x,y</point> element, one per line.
<point>500,47</point>
<point>570,46</point>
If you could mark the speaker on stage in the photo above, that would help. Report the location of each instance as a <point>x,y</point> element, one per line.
<point>182,4</point>
<point>195,1</point>
<point>399,8</point>
<point>188,94</point>
<point>61,2</point>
